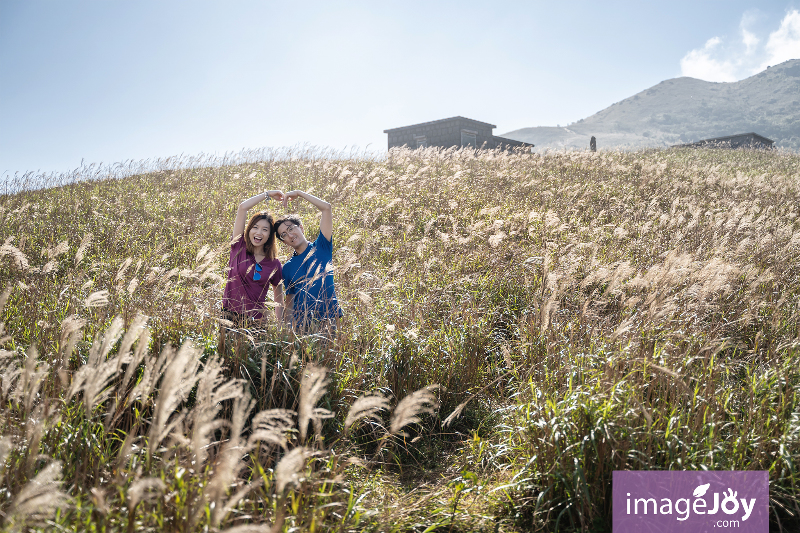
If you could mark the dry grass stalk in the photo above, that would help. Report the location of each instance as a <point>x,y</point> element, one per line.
<point>271,426</point>
<point>94,377</point>
<point>312,388</point>
<point>20,260</point>
<point>180,375</point>
<point>248,528</point>
<point>97,299</point>
<point>152,373</point>
<point>133,333</point>
<point>70,334</point>
<point>229,462</point>
<point>6,447</point>
<point>366,406</point>
<point>9,371</point>
<point>287,471</point>
<point>81,251</point>
<point>460,407</point>
<point>5,294</point>
<point>213,388</point>
<point>40,497</point>
<point>410,408</point>
<point>139,354</point>
<point>30,379</point>
<point>144,489</point>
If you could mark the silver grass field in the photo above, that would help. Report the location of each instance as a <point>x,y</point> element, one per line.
<point>516,328</point>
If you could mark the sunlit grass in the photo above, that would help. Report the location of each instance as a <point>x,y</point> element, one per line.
<point>584,312</point>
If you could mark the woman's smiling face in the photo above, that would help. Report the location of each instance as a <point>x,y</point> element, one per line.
<point>259,233</point>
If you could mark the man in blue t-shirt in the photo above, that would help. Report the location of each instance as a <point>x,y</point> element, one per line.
<point>308,276</point>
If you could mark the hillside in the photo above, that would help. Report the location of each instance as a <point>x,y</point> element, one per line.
<point>684,110</point>
<point>517,327</point>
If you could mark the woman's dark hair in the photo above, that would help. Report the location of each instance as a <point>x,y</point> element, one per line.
<point>270,247</point>
<point>294,219</point>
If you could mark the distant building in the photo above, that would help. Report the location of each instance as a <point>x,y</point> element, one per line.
<point>448,132</point>
<point>741,140</point>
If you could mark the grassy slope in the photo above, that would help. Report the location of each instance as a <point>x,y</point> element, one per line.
<point>608,310</point>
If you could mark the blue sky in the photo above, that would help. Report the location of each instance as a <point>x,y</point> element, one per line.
<point>107,81</point>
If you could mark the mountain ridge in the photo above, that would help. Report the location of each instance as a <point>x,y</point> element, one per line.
<point>683,110</point>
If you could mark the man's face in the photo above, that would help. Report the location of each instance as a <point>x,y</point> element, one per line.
<point>291,234</point>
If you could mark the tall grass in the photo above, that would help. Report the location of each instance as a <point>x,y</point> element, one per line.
<point>574,313</point>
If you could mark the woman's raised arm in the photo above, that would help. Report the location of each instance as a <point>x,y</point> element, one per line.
<point>241,212</point>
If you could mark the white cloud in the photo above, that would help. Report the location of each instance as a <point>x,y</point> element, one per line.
<point>784,43</point>
<point>702,64</point>
<point>750,41</point>
<point>719,60</point>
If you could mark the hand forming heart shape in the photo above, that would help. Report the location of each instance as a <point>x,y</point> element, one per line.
<point>292,195</point>
<point>276,195</point>
<point>285,198</point>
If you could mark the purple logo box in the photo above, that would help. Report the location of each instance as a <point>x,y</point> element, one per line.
<point>690,502</point>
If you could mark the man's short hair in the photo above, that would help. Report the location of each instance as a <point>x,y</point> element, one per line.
<point>293,218</point>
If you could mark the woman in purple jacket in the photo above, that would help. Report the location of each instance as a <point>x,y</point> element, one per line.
<point>253,266</point>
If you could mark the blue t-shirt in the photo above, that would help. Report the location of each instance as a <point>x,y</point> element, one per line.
<point>308,278</point>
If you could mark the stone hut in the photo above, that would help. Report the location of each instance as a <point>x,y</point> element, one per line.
<point>448,132</point>
<point>740,140</point>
